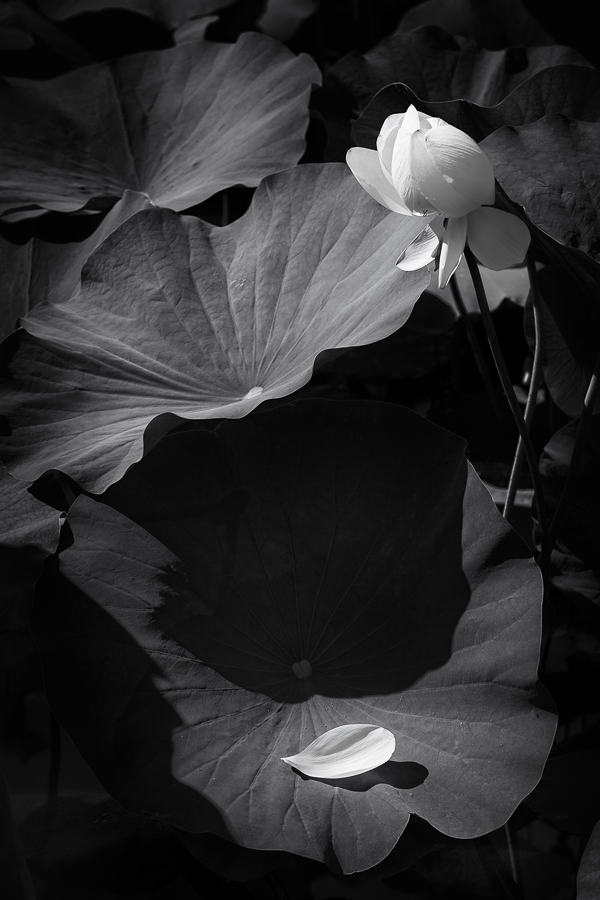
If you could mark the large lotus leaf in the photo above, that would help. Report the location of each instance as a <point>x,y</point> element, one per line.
<point>29,532</point>
<point>552,168</point>
<point>170,13</point>
<point>497,23</point>
<point>177,124</point>
<point>588,876</point>
<point>570,90</point>
<point>40,270</point>
<point>351,538</point>
<point>436,66</point>
<point>177,316</point>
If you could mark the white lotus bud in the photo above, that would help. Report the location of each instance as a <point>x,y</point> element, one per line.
<point>424,166</point>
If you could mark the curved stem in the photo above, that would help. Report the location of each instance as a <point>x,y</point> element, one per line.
<point>533,387</point>
<point>477,353</point>
<point>508,390</point>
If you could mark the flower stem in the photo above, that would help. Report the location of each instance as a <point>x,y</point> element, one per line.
<point>477,353</point>
<point>533,387</point>
<point>508,390</point>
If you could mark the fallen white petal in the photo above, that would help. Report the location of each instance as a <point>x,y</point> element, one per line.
<point>420,252</point>
<point>345,751</point>
<point>498,239</point>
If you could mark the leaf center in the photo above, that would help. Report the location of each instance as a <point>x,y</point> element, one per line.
<point>302,669</point>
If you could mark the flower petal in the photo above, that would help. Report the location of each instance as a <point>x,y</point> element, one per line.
<point>366,168</point>
<point>497,238</point>
<point>385,143</point>
<point>345,751</point>
<point>463,165</point>
<point>413,174</point>
<point>451,250</point>
<point>411,121</point>
<point>420,252</point>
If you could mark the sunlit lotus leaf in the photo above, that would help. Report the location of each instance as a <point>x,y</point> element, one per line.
<point>588,876</point>
<point>40,270</point>
<point>358,572</point>
<point>552,168</point>
<point>177,124</point>
<point>570,90</point>
<point>170,13</point>
<point>180,317</point>
<point>436,67</point>
<point>343,751</point>
<point>498,23</point>
<point>29,532</point>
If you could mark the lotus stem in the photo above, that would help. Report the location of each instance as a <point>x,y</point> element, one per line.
<point>509,391</point>
<point>478,354</point>
<point>533,387</point>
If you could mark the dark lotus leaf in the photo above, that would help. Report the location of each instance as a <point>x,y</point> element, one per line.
<point>29,532</point>
<point>568,365</point>
<point>16,880</point>
<point>177,124</point>
<point>40,270</point>
<point>178,317</point>
<point>570,90</point>
<point>581,526</point>
<point>229,860</point>
<point>551,168</point>
<point>95,845</point>
<point>568,794</point>
<point>588,876</point>
<point>170,13</point>
<point>353,536</point>
<point>437,66</point>
<point>577,581</point>
<point>494,24</point>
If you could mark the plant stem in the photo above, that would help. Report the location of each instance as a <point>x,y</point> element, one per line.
<point>577,455</point>
<point>508,390</point>
<point>533,387</point>
<point>477,354</point>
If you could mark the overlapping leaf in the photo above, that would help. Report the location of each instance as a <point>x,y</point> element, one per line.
<point>170,13</point>
<point>569,90</point>
<point>436,67</point>
<point>177,124</point>
<point>552,168</point>
<point>29,532</point>
<point>178,317</point>
<point>580,530</point>
<point>357,571</point>
<point>498,23</point>
<point>43,271</point>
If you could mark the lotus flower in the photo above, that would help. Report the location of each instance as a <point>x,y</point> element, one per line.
<point>425,167</point>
